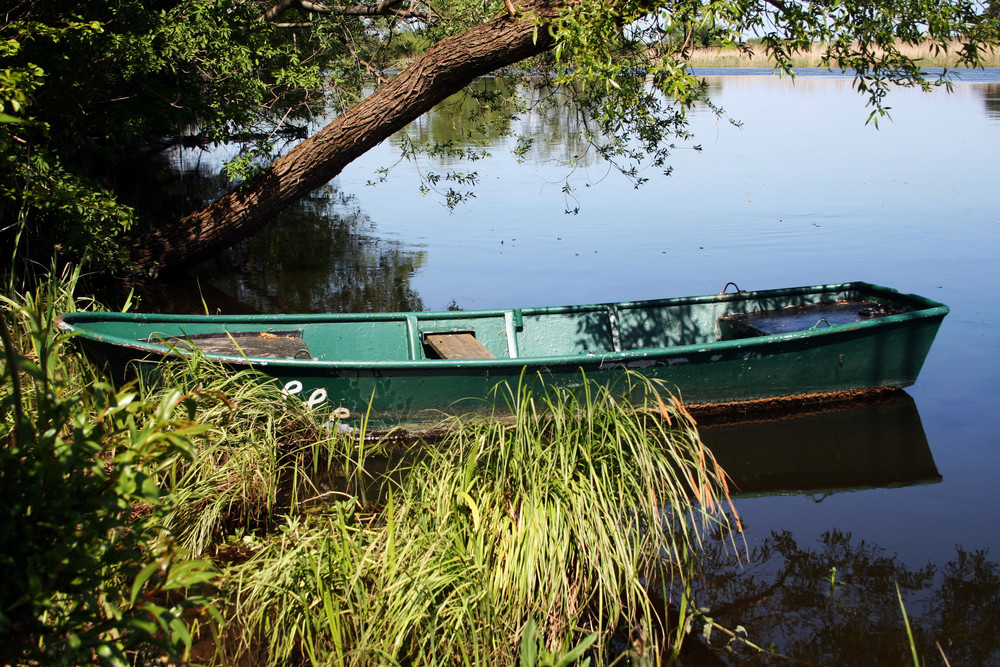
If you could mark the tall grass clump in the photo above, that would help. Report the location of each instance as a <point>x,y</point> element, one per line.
<point>261,457</point>
<point>561,533</point>
<point>565,529</point>
<point>89,574</point>
<point>241,473</point>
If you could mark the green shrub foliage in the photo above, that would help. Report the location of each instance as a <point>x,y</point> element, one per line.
<point>88,575</point>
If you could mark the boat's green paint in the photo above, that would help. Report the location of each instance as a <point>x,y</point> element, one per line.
<point>379,358</point>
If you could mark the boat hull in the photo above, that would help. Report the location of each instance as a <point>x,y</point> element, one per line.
<point>719,367</point>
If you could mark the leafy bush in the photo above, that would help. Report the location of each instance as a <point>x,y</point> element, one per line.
<point>89,575</point>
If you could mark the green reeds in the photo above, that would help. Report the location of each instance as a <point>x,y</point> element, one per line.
<point>259,458</point>
<point>576,516</point>
<point>557,534</point>
<point>233,480</point>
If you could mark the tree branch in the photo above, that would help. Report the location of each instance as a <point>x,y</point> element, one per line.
<point>284,5</point>
<point>442,71</point>
<point>383,8</point>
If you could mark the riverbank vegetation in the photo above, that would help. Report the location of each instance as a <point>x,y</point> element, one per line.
<point>89,574</point>
<point>208,517</point>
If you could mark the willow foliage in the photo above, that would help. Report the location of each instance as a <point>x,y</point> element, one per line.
<point>92,93</point>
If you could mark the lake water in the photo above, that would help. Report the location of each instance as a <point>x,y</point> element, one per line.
<point>804,192</point>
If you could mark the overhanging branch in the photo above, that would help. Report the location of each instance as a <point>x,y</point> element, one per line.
<point>440,72</point>
<point>383,8</point>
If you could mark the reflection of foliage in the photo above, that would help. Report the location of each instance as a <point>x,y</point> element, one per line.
<point>966,609</point>
<point>837,603</point>
<point>991,98</point>
<point>525,113</point>
<point>477,115</point>
<point>320,255</point>
<point>463,128</point>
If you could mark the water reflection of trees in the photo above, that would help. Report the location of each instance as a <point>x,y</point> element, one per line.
<point>321,255</point>
<point>167,185</point>
<point>836,604</point>
<point>496,112</point>
<point>990,93</point>
<point>480,115</point>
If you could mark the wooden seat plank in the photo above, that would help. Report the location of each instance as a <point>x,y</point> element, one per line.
<point>457,346</point>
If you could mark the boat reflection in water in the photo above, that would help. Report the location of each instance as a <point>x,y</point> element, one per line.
<point>876,443</point>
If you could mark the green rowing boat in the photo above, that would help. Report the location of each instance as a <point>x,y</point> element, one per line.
<point>729,347</point>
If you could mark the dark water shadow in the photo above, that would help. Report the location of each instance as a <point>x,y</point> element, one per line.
<point>321,255</point>
<point>878,443</point>
<point>990,93</point>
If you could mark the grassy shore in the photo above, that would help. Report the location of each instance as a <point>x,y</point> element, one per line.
<point>928,57</point>
<point>200,520</point>
<point>209,519</point>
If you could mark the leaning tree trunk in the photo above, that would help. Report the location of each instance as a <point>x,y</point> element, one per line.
<point>444,70</point>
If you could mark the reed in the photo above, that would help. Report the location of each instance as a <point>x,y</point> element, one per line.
<point>926,54</point>
<point>566,526</point>
<point>259,459</point>
<point>563,532</point>
<point>233,482</point>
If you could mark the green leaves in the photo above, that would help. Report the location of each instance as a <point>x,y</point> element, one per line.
<point>88,103</point>
<point>534,653</point>
<point>626,61</point>
<point>79,504</point>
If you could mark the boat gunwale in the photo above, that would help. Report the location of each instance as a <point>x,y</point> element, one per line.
<point>924,308</point>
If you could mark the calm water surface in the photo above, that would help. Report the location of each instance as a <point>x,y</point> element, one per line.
<point>803,192</point>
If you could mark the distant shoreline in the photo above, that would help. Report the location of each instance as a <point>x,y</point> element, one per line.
<point>719,57</point>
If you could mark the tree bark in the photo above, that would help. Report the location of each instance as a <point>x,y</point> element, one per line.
<point>444,70</point>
